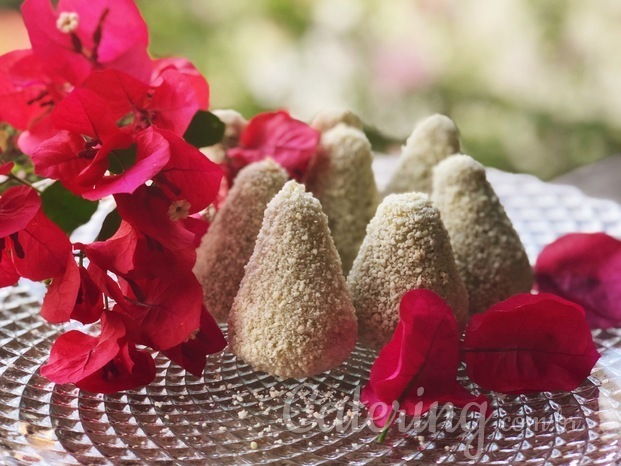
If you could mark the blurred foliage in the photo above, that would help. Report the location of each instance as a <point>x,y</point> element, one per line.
<point>532,85</point>
<point>65,209</point>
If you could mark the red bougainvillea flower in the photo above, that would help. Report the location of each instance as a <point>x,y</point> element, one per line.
<point>133,255</point>
<point>529,343</point>
<point>6,168</point>
<point>197,81</point>
<point>288,141</point>
<point>103,364</point>
<point>78,37</point>
<point>164,221</point>
<point>191,354</point>
<point>169,103</point>
<point>27,97</point>
<point>584,268</point>
<point>189,177</point>
<point>131,368</point>
<point>31,245</point>
<point>100,166</point>
<point>73,295</point>
<point>166,310</point>
<point>418,367</point>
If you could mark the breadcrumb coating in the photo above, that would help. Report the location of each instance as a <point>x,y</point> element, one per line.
<point>229,242</point>
<point>332,116</point>
<point>432,140</point>
<point>488,251</point>
<point>293,316</point>
<point>406,247</point>
<point>341,177</point>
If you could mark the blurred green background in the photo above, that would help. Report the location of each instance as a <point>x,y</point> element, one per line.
<point>534,86</point>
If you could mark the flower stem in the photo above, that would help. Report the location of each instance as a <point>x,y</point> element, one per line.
<point>382,436</point>
<point>22,181</point>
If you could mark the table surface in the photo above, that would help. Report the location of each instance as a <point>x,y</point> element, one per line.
<point>601,179</point>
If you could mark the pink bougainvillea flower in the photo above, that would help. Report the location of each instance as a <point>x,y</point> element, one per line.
<point>78,37</point>
<point>584,268</point>
<point>27,94</point>
<point>18,206</point>
<point>32,246</point>
<point>288,141</point>
<point>166,310</point>
<point>27,97</point>
<point>194,77</point>
<point>418,367</point>
<point>89,142</point>
<point>529,343</point>
<point>207,339</point>
<point>95,168</point>
<point>170,104</point>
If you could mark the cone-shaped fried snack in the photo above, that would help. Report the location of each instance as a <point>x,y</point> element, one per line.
<point>330,117</point>
<point>229,242</point>
<point>489,254</point>
<point>406,247</point>
<point>293,316</point>
<point>342,179</point>
<point>434,139</point>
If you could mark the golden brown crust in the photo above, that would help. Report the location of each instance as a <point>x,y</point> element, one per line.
<point>488,251</point>
<point>293,316</point>
<point>434,139</point>
<point>227,246</point>
<point>341,177</point>
<point>406,247</point>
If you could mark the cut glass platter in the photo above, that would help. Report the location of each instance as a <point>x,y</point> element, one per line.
<point>234,415</point>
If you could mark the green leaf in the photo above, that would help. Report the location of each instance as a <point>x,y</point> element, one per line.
<point>110,224</point>
<point>66,209</point>
<point>205,129</point>
<point>121,160</point>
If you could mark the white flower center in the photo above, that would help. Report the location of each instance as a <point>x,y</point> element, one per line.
<point>67,22</point>
<point>178,210</point>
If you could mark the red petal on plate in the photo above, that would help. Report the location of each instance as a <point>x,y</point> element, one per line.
<point>529,343</point>
<point>584,268</point>
<point>418,367</point>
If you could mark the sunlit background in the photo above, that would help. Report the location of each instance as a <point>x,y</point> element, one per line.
<point>533,86</point>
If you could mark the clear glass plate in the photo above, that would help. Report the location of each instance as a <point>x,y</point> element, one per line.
<point>234,415</point>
